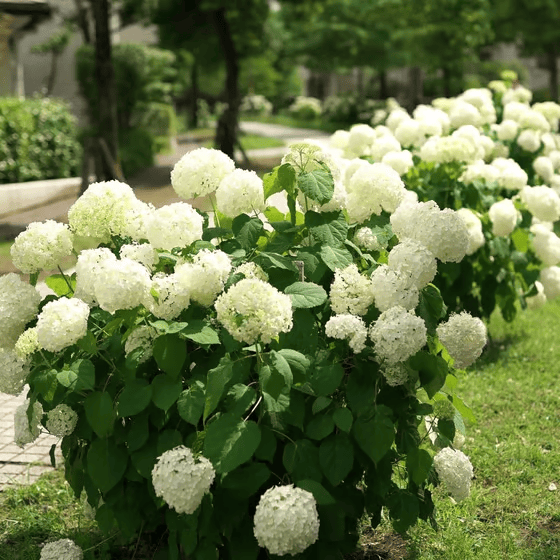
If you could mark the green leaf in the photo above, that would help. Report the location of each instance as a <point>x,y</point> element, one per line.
<point>230,442</point>
<point>299,364</point>
<point>327,228</point>
<point>301,460</point>
<point>246,480</point>
<point>267,446</point>
<point>80,376</point>
<point>343,419</point>
<point>374,436</point>
<point>326,379</point>
<point>419,463</point>
<point>247,231</point>
<point>165,391</point>
<point>218,378</point>
<point>201,333</point>
<point>403,510</point>
<point>319,404</point>
<point>190,403</point>
<point>106,463</point>
<point>306,294</point>
<point>170,353</point>
<point>280,178</point>
<point>336,457</point>
<point>59,284</point>
<point>134,398</point>
<point>318,185</point>
<point>99,411</point>
<point>239,398</point>
<point>336,257</point>
<point>137,433</point>
<point>320,426</point>
<point>321,495</point>
<point>432,371</point>
<point>304,335</point>
<point>280,365</point>
<point>431,307</point>
<point>274,260</point>
<point>88,343</point>
<point>463,409</point>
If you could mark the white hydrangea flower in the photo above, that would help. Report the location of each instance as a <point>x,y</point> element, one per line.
<point>529,140</point>
<point>474,229</point>
<point>427,113</point>
<point>396,117</point>
<point>135,219</point>
<point>442,232</point>
<point>351,292</point>
<point>383,145</point>
<point>205,277</point>
<point>26,431</point>
<point>181,480</point>
<point>464,337</point>
<point>507,130</point>
<point>503,216</point>
<point>395,374</point>
<point>42,246</point>
<point>397,334</point>
<point>141,337</point>
<point>174,225</point>
<point>307,157</point>
<point>61,420</point>
<point>479,171</point>
<point>27,343</point>
<point>401,161</point>
<point>240,192</point>
<point>121,284</point>
<point>365,239</point>
<point>455,471</point>
<point>286,520</point>
<point>373,188</point>
<point>361,137</point>
<point>518,94</point>
<point>90,262</point>
<point>102,211</point>
<point>554,158</point>
<point>534,120</point>
<point>409,133</point>
<point>546,244</point>
<point>63,549</point>
<point>544,168</point>
<point>339,139</point>
<point>550,280</point>
<point>510,174</point>
<point>539,299</point>
<point>463,113</point>
<point>19,303</point>
<point>543,202</point>
<point>445,149</point>
<point>348,327</point>
<point>550,110</point>
<point>167,297</point>
<point>200,172</point>
<point>252,270</point>
<point>414,261</point>
<point>61,323</point>
<point>253,310</point>
<point>514,110</point>
<point>13,372</point>
<point>393,287</point>
<point>143,253</point>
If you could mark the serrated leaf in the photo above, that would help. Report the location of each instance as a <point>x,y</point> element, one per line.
<point>326,379</point>
<point>218,378</point>
<point>432,371</point>
<point>320,493</point>
<point>319,404</point>
<point>301,460</point>
<point>246,480</point>
<point>318,185</point>
<point>106,463</point>
<point>336,257</point>
<point>190,403</point>
<point>200,332</point>
<point>99,411</point>
<point>247,231</point>
<point>327,228</point>
<point>58,283</point>
<point>280,178</point>
<point>134,398</point>
<point>343,419</point>
<point>274,260</point>
<point>418,463</point>
<point>165,391</point>
<point>336,457</point>
<point>374,436</point>
<point>170,353</point>
<point>319,427</point>
<point>230,442</point>
<point>305,295</point>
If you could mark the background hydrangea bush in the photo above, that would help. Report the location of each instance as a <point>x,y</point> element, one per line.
<point>253,382</point>
<point>494,157</point>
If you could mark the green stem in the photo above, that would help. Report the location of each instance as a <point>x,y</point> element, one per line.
<point>212,197</point>
<point>66,279</point>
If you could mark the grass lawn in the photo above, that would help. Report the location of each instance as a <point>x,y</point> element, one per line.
<point>513,511</point>
<point>286,120</point>
<point>252,142</point>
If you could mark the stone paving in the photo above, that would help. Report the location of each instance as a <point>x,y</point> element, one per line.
<point>24,466</point>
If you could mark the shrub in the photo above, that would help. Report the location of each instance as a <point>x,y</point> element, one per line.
<point>306,108</point>
<point>137,150</point>
<point>255,105</point>
<point>38,140</point>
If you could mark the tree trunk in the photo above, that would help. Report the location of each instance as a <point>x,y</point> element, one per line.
<point>383,86</point>
<point>106,125</point>
<point>193,117</point>
<point>52,74</point>
<point>83,21</point>
<point>552,67</point>
<point>226,131</point>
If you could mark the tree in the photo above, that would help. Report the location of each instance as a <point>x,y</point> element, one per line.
<point>535,24</point>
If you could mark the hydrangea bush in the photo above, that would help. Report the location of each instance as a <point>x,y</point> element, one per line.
<point>495,158</point>
<point>248,384</point>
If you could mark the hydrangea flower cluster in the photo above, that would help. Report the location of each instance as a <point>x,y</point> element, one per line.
<point>504,217</point>
<point>61,323</point>
<point>286,520</point>
<point>181,480</point>
<point>25,430</point>
<point>27,343</point>
<point>61,420</point>
<point>13,372</point>
<point>393,287</point>
<point>19,303</point>
<point>240,192</point>
<point>455,472</point>
<point>174,225</point>
<point>413,261</point>
<point>143,253</point>
<point>253,310</point>
<point>142,337</point>
<point>348,327</point>
<point>351,292</point>
<point>167,297</point>
<point>464,337</point>
<point>42,246</point>
<point>542,202</point>
<point>63,549</point>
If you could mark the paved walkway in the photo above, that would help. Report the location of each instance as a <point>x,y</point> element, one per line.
<point>24,466</point>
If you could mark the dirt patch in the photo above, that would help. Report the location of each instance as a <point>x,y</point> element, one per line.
<point>380,546</point>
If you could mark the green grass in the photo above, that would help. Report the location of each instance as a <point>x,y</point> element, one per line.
<point>5,247</point>
<point>253,142</point>
<point>514,391</point>
<point>287,120</point>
